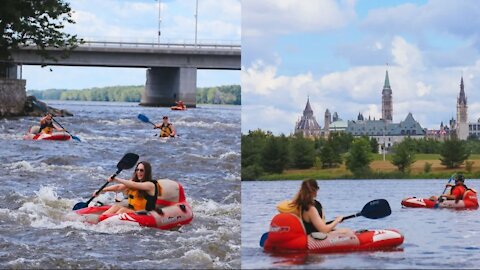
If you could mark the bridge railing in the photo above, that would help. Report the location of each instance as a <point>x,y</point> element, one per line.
<point>159,45</point>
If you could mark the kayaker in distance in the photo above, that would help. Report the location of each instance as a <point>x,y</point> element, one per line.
<point>456,192</point>
<point>143,193</point>
<point>47,126</point>
<point>166,128</point>
<point>311,210</point>
<point>181,105</point>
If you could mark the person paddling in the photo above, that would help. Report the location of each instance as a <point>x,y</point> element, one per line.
<point>166,128</point>
<point>311,210</point>
<point>143,193</point>
<point>457,191</point>
<point>47,126</point>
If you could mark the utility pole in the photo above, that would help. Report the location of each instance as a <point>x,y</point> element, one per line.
<point>159,19</point>
<point>196,21</point>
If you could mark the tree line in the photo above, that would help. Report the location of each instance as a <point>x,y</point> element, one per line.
<point>225,94</point>
<point>264,153</point>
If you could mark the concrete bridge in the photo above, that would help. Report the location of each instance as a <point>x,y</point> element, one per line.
<point>171,68</point>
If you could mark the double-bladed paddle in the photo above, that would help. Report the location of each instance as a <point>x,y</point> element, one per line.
<point>145,119</point>
<point>439,200</point>
<point>373,210</point>
<point>45,110</point>
<point>128,161</point>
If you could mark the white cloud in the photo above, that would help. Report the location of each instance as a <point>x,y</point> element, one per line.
<point>272,17</point>
<point>430,94</point>
<point>406,55</point>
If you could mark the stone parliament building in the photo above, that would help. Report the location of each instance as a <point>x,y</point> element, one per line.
<point>385,130</point>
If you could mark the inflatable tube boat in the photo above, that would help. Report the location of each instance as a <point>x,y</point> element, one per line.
<point>469,201</point>
<point>166,218</point>
<point>33,134</point>
<point>287,233</point>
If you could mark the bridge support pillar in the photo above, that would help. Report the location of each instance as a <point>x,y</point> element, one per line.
<point>166,85</point>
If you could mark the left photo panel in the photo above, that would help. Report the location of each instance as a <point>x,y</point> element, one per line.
<point>120,126</point>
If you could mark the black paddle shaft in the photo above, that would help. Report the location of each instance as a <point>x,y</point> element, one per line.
<point>127,162</point>
<point>104,185</point>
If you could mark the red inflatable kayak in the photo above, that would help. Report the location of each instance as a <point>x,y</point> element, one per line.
<point>178,108</point>
<point>55,136</point>
<point>287,233</point>
<point>167,218</point>
<point>469,202</point>
<point>33,134</point>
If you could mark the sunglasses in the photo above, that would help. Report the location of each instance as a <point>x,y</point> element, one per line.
<point>139,170</point>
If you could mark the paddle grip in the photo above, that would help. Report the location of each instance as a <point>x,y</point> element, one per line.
<point>104,185</point>
<point>347,217</point>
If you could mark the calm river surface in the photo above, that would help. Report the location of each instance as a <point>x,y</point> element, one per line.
<point>438,238</point>
<point>42,180</point>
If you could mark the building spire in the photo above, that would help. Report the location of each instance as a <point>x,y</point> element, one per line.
<point>308,109</point>
<point>462,98</point>
<point>386,85</point>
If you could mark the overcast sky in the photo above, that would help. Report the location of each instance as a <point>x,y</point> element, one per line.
<point>336,52</point>
<point>137,21</point>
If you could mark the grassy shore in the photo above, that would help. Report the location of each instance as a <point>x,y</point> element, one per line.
<point>383,169</point>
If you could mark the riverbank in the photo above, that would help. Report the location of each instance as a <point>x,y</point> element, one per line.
<point>383,169</point>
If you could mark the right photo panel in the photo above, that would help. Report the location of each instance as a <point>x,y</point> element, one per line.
<point>360,134</point>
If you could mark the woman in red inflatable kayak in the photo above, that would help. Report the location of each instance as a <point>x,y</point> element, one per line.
<point>301,226</point>
<point>459,197</point>
<point>153,203</point>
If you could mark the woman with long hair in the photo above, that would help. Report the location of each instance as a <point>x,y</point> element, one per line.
<point>141,190</point>
<point>311,211</point>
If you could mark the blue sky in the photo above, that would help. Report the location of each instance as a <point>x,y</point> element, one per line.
<point>336,52</point>
<point>137,21</point>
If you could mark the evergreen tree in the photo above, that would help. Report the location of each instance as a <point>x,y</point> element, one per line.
<point>359,157</point>
<point>453,153</point>
<point>329,157</point>
<point>403,154</point>
<point>303,152</point>
<point>252,147</point>
<point>274,155</point>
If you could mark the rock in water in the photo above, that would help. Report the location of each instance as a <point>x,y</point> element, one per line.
<point>35,107</point>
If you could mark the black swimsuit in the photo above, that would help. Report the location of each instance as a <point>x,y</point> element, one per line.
<point>309,227</point>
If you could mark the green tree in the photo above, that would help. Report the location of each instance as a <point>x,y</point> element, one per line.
<point>303,152</point>
<point>453,153</point>
<point>374,145</point>
<point>252,147</point>
<point>34,22</point>
<point>359,157</point>
<point>328,156</point>
<point>403,154</point>
<point>275,155</point>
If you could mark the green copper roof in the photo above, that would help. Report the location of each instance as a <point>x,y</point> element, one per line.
<point>387,81</point>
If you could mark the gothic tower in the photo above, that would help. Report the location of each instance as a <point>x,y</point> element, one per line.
<point>327,121</point>
<point>307,125</point>
<point>462,115</point>
<point>387,106</point>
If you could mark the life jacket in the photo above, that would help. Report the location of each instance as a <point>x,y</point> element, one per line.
<point>309,227</point>
<point>137,202</point>
<point>46,127</point>
<point>166,130</point>
<point>459,197</point>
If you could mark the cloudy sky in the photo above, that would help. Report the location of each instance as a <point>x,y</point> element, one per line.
<point>337,52</point>
<point>137,21</point>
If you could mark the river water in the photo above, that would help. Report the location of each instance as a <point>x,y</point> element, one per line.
<point>42,180</point>
<point>435,239</point>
